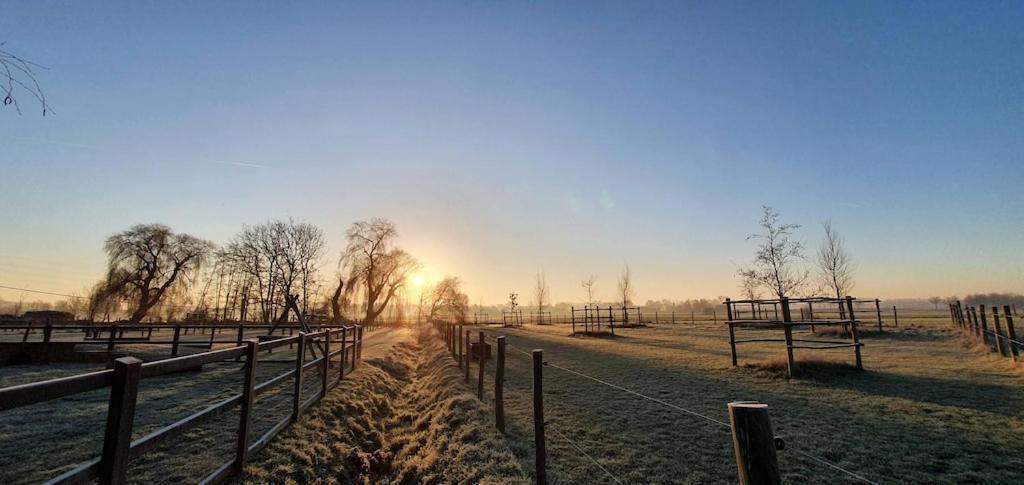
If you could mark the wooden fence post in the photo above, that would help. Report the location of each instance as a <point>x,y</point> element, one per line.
<point>878,313</point>
<point>113,335</point>
<point>732,331</point>
<point>297,393</point>
<point>327,363</point>
<point>754,443</point>
<point>245,410</point>
<point>854,332</point>
<point>458,356</point>
<point>469,354</point>
<point>998,331</point>
<point>1011,332</point>
<point>47,331</point>
<point>344,352</point>
<point>540,453</point>
<point>117,439</point>
<point>177,339</point>
<point>984,324</point>
<point>482,360</point>
<point>787,328</point>
<point>895,317</point>
<point>499,386</point>
<point>359,348</point>
<point>238,340</point>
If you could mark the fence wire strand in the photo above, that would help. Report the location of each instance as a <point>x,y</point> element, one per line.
<point>580,449</point>
<point>816,459</point>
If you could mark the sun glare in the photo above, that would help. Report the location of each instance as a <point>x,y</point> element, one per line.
<point>417,280</point>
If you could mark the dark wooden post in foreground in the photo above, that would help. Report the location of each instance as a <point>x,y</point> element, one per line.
<point>754,443</point>
<point>499,386</point>
<point>245,409</point>
<point>117,439</point>
<point>297,393</point>
<point>540,453</point>
<point>895,317</point>
<point>481,359</point>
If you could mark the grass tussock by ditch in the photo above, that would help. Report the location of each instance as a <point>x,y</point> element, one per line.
<point>405,418</point>
<point>809,368</point>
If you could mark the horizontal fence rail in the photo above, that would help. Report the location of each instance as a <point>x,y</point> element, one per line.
<point>340,345</point>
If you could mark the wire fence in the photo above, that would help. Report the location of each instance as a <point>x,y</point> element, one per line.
<point>778,443</point>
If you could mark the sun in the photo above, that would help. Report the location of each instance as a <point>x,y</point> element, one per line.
<point>417,280</point>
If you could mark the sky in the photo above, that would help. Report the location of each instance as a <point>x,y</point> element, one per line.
<point>508,138</point>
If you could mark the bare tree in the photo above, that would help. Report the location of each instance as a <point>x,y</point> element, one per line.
<point>777,260</point>
<point>588,286</point>
<point>935,300</point>
<point>541,292</point>
<point>16,74</point>
<point>447,301</point>
<point>835,263</point>
<point>749,286</point>
<point>626,289</point>
<point>378,268</point>
<point>149,260</point>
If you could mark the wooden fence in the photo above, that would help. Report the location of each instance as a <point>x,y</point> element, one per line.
<point>123,381</point>
<point>974,321</point>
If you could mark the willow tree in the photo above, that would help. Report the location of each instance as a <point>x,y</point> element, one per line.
<point>376,268</point>
<point>149,261</point>
<point>447,301</point>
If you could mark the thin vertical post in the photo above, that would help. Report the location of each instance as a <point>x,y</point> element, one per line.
<point>468,356</point>
<point>732,331</point>
<point>245,412</point>
<point>984,324</point>
<point>481,359</point>
<point>854,332</point>
<point>1011,332</point>
<point>788,330</point>
<point>327,363</point>
<point>177,339</point>
<point>344,352</point>
<point>110,341</point>
<point>499,386</point>
<point>47,331</point>
<point>238,340</point>
<point>117,439</point>
<point>999,331</point>
<point>754,443</point>
<point>878,313</point>
<point>540,453</point>
<point>297,392</point>
<point>895,317</point>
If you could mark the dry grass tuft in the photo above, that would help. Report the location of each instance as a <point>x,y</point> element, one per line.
<point>812,368</point>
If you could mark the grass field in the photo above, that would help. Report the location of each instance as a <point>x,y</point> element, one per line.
<point>931,407</point>
<point>928,409</point>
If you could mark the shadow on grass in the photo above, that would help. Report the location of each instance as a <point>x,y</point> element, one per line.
<point>808,369</point>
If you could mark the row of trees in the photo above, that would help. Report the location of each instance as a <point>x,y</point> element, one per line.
<point>155,273</point>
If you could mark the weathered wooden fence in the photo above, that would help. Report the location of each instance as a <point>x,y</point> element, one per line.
<point>343,344</point>
<point>974,321</point>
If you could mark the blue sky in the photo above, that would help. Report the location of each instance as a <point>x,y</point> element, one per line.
<point>509,137</point>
